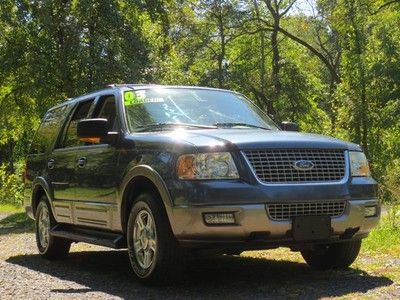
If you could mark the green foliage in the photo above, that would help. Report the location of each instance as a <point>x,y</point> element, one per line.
<point>334,71</point>
<point>11,189</point>
<point>387,234</point>
<point>10,208</point>
<point>392,180</point>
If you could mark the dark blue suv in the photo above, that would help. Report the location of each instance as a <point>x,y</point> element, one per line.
<point>167,171</point>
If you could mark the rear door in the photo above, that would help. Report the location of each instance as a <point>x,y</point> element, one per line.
<point>95,203</point>
<point>62,164</point>
<point>40,163</point>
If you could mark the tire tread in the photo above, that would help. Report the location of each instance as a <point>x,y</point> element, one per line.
<point>170,255</point>
<point>58,247</point>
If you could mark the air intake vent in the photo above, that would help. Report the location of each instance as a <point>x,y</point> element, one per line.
<point>286,211</point>
<point>297,165</point>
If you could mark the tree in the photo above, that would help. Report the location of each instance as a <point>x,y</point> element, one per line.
<point>354,41</point>
<point>333,70</point>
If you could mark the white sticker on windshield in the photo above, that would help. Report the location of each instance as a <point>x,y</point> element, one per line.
<point>154,100</point>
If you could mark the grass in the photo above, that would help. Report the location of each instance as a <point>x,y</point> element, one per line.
<point>10,208</point>
<point>16,223</point>
<point>384,238</point>
<point>15,220</point>
<point>380,252</point>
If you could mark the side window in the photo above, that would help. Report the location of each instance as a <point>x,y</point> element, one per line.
<point>106,108</point>
<point>71,139</point>
<point>48,130</point>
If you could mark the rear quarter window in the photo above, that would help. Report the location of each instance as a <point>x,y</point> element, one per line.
<point>48,129</point>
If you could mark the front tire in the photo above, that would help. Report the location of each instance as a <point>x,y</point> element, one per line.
<point>334,256</point>
<point>49,247</point>
<point>154,252</point>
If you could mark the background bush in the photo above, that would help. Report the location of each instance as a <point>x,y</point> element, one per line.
<point>392,180</point>
<point>334,71</point>
<point>11,187</point>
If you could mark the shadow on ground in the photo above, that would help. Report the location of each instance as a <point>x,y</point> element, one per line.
<point>16,223</point>
<point>219,277</point>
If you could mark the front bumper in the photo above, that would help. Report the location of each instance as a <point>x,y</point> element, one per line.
<point>254,229</point>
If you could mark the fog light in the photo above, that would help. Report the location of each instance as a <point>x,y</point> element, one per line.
<point>219,218</point>
<point>370,211</point>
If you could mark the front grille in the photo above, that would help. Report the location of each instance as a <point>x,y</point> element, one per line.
<point>286,211</point>
<point>277,165</point>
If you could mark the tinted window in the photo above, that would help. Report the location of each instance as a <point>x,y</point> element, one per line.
<point>71,139</point>
<point>106,109</point>
<point>47,132</point>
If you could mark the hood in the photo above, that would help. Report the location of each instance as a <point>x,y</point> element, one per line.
<point>258,139</point>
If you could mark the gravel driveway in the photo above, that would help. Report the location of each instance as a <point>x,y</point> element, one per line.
<point>93,272</point>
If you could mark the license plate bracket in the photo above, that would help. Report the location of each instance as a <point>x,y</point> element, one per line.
<point>306,228</point>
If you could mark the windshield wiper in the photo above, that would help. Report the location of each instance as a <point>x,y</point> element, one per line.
<point>157,126</point>
<point>233,124</point>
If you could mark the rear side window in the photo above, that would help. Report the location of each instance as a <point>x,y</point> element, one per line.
<point>71,139</point>
<point>48,130</point>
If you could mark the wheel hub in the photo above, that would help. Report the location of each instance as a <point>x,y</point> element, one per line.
<point>44,226</point>
<point>144,239</point>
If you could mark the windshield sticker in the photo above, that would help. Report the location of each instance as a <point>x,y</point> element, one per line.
<point>129,98</point>
<point>154,100</point>
<point>132,98</point>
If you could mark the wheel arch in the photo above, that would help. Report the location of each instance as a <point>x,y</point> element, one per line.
<point>139,179</point>
<point>40,188</point>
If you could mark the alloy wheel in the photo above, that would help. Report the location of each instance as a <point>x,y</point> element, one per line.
<point>144,239</point>
<point>44,226</point>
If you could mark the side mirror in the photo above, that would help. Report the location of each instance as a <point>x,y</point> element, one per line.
<point>289,126</point>
<point>92,130</point>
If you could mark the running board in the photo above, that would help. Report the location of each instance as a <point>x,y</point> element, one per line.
<point>90,236</point>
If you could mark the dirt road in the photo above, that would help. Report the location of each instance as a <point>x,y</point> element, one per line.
<point>93,272</point>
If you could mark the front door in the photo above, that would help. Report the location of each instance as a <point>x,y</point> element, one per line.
<point>95,203</point>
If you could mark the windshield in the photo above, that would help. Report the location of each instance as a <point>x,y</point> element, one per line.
<point>197,108</point>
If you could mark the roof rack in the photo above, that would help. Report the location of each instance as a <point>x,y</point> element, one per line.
<point>112,85</point>
<point>130,85</point>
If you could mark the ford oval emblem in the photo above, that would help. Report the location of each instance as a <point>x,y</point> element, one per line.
<point>303,165</point>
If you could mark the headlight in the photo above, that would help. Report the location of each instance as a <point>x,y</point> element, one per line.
<point>217,165</point>
<point>359,164</point>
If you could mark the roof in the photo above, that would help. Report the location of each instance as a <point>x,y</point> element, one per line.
<point>135,86</point>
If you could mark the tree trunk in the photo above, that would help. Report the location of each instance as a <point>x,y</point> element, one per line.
<point>267,103</point>
<point>333,103</point>
<point>11,167</point>
<point>66,75</point>
<point>275,60</point>
<point>221,56</point>
<point>361,117</point>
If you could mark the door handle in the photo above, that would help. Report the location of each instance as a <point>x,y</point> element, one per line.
<point>51,163</point>
<point>81,162</point>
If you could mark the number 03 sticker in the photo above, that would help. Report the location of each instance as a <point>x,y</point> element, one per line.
<point>130,98</point>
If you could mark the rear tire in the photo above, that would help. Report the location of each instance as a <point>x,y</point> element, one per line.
<point>49,247</point>
<point>334,256</point>
<point>154,252</point>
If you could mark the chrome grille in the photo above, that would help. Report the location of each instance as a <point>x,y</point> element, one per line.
<point>286,211</point>
<point>277,165</point>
